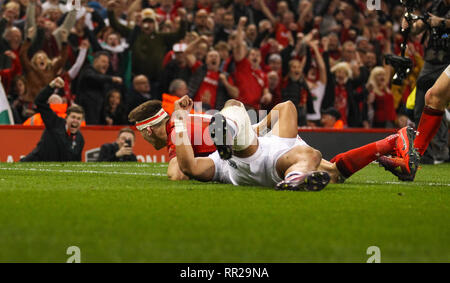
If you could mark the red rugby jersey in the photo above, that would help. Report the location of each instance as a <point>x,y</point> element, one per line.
<point>197,128</point>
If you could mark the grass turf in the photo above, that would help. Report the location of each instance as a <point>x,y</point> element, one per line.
<point>132,213</point>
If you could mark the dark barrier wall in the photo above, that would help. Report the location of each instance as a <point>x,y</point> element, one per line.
<point>16,141</point>
<point>333,142</point>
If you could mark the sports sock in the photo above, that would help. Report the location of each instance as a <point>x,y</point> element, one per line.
<point>244,133</point>
<point>428,127</point>
<point>293,175</point>
<point>354,160</point>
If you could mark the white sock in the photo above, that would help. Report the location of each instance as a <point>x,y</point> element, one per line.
<point>245,135</point>
<point>293,175</point>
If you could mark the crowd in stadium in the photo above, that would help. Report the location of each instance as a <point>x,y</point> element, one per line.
<point>324,56</point>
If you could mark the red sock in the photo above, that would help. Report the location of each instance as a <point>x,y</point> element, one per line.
<point>354,160</point>
<point>428,127</point>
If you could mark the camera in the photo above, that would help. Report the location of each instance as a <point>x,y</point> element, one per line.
<point>401,65</point>
<point>128,142</point>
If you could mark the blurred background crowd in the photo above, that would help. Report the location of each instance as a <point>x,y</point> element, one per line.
<point>326,56</point>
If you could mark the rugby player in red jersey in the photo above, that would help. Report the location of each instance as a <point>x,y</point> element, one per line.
<point>156,127</point>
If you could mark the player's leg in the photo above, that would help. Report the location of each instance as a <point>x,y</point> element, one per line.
<point>436,100</point>
<point>281,120</point>
<point>299,168</point>
<point>350,162</point>
<point>332,170</point>
<point>346,164</point>
<point>231,130</point>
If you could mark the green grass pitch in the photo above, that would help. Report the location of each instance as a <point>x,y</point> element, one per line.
<point>132,213</point>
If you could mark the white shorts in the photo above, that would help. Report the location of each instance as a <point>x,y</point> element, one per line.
<point>447,71</point>
<point>258,169</point>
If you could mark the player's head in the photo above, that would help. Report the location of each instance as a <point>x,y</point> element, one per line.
<point>75,115</point>
<point>151,119</point>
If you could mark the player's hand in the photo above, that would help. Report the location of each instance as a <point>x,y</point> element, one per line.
<point>185,103</point>
<point>58,82</point>
<point>124,150</point>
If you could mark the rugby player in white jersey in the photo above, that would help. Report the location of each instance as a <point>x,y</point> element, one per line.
<point>279,159</point>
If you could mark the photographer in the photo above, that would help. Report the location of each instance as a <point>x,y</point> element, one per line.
<point>121,149</point>
<point>437,58</point>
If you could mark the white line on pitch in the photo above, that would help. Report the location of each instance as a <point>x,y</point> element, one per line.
<point>96,165</point>
<point>84,171</point>
<point>162,174</point>
<point>406,183</point>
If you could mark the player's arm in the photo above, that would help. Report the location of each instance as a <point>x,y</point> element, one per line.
<point>282,120</point>
<point>174,172</point>
<point>200,168</point>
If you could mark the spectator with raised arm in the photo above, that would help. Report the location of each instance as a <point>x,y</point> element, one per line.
<point>40,70</point>
<point>249,78</point>
<point>148,45</point>
<point>61,139</point>
<point>316,79</point>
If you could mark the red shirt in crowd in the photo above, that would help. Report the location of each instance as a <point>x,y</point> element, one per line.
<point>341,101</point>
<point>384,108</point>
<point>198,132</point>
<point>282,34</point>
<point>207,92</point>
<point>250,83</point>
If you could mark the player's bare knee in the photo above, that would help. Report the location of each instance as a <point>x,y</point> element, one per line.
<point>313,155</point>
<point>289,107</point>
<point>435,99</point>
<point>317,155</point>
